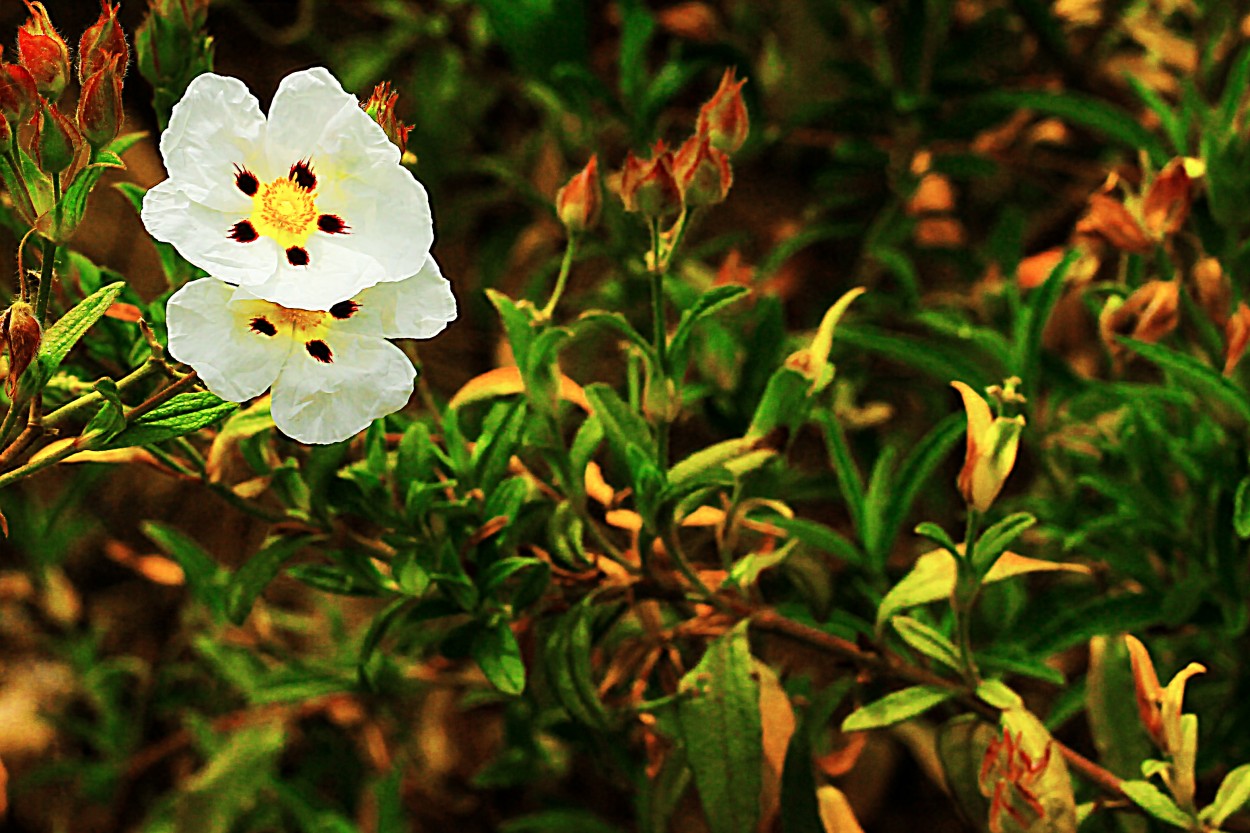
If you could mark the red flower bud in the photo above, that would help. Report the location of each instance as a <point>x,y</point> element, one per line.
<point>650,187</point>
<point>381,108</point>
<point>43,51</point>
<point>577,202</point>
<point>18,93</point>
<point>103,41</point>
<point>20,330</point>
<point>100,104</point>
<point>703,172</point>
<point>723,118</point>
<point>57,141</point>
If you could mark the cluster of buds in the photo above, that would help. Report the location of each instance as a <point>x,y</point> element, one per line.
<point>173,48</point>
<point>32,122</point>
<point>1009,778</point>
<point>992,442</point>
<point>381,108</point>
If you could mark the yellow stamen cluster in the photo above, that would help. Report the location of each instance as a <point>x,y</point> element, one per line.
<point>285,212</point>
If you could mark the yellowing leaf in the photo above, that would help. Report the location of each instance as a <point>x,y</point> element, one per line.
<point>835,811</point>
<point>777,723</point>
<point>506,381</point>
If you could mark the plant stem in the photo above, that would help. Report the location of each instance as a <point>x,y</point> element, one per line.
<point>967,586</point>
<point>162,396</point>
<point>70,410</point>
<point>658,376</point>
<point>45,279</point>
<point>562,279</point>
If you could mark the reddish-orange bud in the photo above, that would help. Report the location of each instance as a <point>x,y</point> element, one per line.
<point>103,42</point>
<point>57,141</point>
<point>18,93</point>
<point>100,104</point>
<point>381,108</point>
<point>43,51</point>
<point>703,172</point>
<point>1212,289</point>
<point>723,118</point>
<point>1236,337</point>
<point>577,202</point>
<point>650,187</point>
<point>21,332</point>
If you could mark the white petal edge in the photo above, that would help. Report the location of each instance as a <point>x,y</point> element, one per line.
<point>207,332</point>
<point>334,273</point>
<point>321,403</point>
<point>216,125</point>
<point>420,306</point>
<point>201,235</point>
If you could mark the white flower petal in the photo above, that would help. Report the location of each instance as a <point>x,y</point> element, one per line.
<point>213,335</point>
<point>312,117</point>
<point>201,235</point>
<point>417,307</point>
<point>388,213</point>
<point>316,402</point>
<point>333,274</point>
<point>216,125</point>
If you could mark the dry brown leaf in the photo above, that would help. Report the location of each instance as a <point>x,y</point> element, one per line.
<point>777,722</point>
<point>835,811</point>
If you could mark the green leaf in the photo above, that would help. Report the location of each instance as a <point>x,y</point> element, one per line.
<point>108,421</point>
<point>185,414</point>
<point>1193,373</point>
<point>850,482</point>
<point>1149,798</point>
<point>1232,795</point>
<point>616,321</point>
<point>566,656</point>
<point>622,426</point>
<point>1173,125</point>
<point>994,541</point>
<point>1113,718</point>
<point>540,36</point>
<point>516,323</point>
<point>961,745</point>
<point>64,334</point>
<point>818,537</point>
<point>911,477</point>
<point>897,707</point>
<point>784,403</point>
<point>215,799</point>
<point>1040,304</point>
<point>1241,508</point>
<point>202,573</point>
<point>937,535</point>
<point>719,716</point>
<point>939,361</point>
<point>707,304</point>
<point>927,640</point>
<point>497,653</point>
<point>1085,111</point>
<point>715,455</point>
<point>250,580</point>
<point>637,25</point>
<point>998,694</point>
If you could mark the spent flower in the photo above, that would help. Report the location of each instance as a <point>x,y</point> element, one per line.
<point>332,370</point>
<point>303,208</point>
<point>380,107</point>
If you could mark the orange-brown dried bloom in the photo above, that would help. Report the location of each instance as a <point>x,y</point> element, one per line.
<point>22,334</point>
<point>43,51</point>
<point>1213,291</point>
<point>1137,223</point>
<point>381,108</point>
<point>702,171</point>
<point>650,187</point>
<point>577,203</point>
<point>1149,314</point>
<point>102,44</point>
<point>1236,337</point>
<point>723,118</point>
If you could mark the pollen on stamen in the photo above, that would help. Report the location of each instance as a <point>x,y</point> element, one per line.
<point>303,176</point>
<point>261,324</point>
<point>320,351</point>
<point>244,232</point>
<point>344,310</point>
<point>332,224</point>
<point>297,256</point>
<point>246,181</point>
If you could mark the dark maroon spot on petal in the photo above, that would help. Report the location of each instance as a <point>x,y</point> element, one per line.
<point>320,351</point>
<point>246,181</point>
<point>302,174</point>
<point>297,256</point>
<point>344,309</point>
<point>243,231</point>
<point>262,325</point>
<point>332,224</point>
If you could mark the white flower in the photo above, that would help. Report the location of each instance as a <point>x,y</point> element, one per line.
<point>332,372</point>
<point>303,209</point>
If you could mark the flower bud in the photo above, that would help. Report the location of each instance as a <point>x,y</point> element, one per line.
<point>103,41</point>
<point>100,105</point>
<point>723,118</point>
<point>18,93</point>
<point>44,52</point>
<point>58,140</point>
<point>702,171</point>
<point>381,108</point>
<point>577,202</point>
<point>20,330</point>
<point>1236,337</point>
<point>650,187</point>
<point>992,445</point>
<point>1213,291</point>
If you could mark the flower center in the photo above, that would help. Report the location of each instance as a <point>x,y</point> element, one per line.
<point>301,320</point>
<point>285,212</point>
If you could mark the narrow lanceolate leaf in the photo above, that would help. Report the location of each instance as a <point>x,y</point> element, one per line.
<point>497,653</point>
<point>1148,797</point>
<point>998,538</point>
<point>896,707</point>
<point>1194,374</point>
<point>1028,344</point>
<point>1241,508</point>
<point>254,576</point>
<point>719,718</point>
<point>64,334</point>
<point>202,573</point>
<point>926,640</point>
<point>1232,795</point>
<point>182,415</point>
